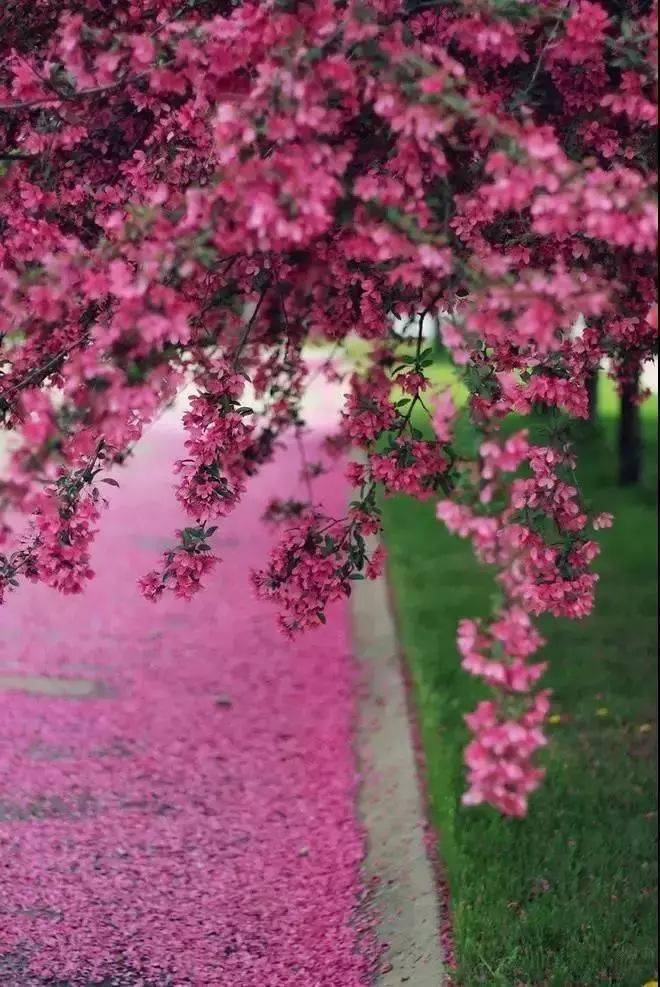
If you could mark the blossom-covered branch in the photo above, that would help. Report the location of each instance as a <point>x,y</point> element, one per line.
<point>189,193</point>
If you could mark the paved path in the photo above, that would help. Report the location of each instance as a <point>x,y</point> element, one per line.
<point>186,815</point>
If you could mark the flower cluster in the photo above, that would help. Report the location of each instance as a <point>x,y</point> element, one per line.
<point>312,566</point>
<point>536,537</point>
<point>212,475</point>
<point>183,566</point>
<point>411,466</point>
<point>500,758</point>
<point>63,538</point>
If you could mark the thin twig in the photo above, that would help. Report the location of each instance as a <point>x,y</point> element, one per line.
<point>45,368</point>
<point>248,328</point>
<point>549,40</point>
<point>45,101</point>
<point>93,90</point>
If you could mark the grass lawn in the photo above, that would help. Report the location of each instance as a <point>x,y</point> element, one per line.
<point>566,896</point>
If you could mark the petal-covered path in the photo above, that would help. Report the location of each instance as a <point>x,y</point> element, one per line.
<point>189,817</point>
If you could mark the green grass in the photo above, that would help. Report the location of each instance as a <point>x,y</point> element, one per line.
<point>567,895</point>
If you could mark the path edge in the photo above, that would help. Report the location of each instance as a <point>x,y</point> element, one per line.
<point>404,898</point>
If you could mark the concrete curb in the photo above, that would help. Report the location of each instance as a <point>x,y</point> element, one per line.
<point>405,901</point>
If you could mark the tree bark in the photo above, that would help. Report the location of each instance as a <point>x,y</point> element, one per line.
<point>630,434</point>
<point>592,396</point>
<point>439,346</point>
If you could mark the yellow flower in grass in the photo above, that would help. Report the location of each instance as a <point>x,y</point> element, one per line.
<point>555,718</point>
<point>602,711</point>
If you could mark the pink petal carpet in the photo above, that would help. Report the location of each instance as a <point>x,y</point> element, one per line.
<point>194,822</point>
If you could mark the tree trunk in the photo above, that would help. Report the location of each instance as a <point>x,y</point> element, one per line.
<point>439,346</point>
<point>630,434</point>
<point>592,396</point>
